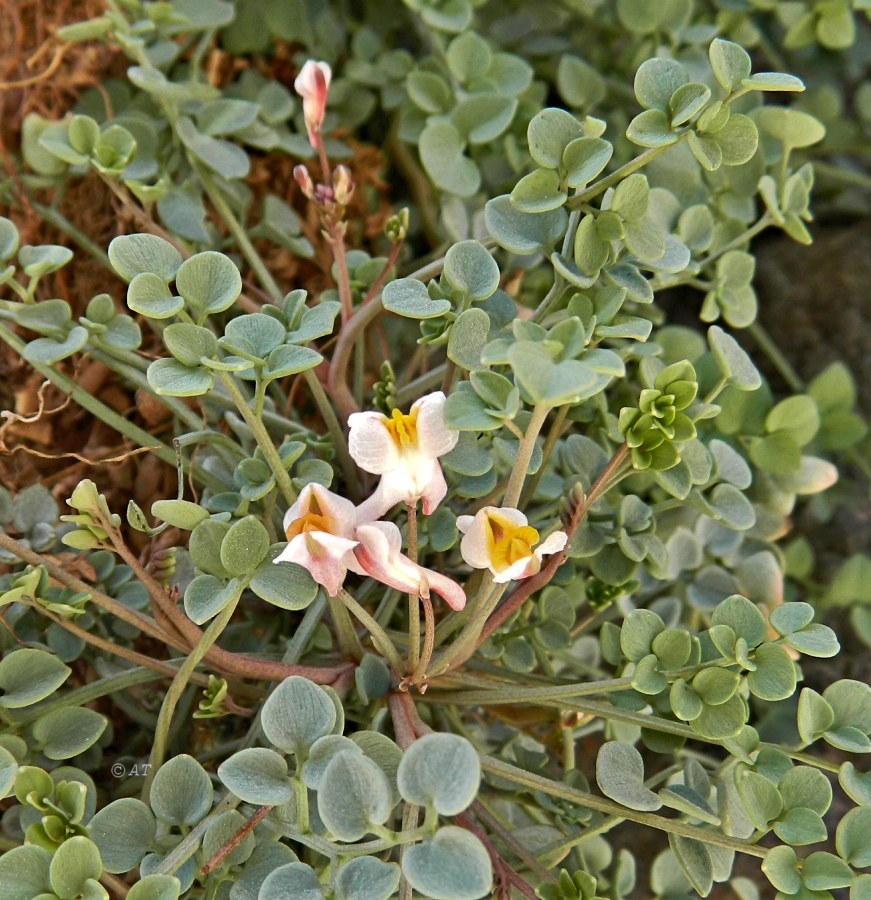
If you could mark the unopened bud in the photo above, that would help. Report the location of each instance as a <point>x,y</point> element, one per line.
<point>304,180</point>
<point>343,185</point>
<point>313,85</point>
<point>396,227</point>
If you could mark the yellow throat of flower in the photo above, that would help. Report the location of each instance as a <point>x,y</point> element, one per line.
<point>314,519</point>
<point>507,542</point>
<point>402,427</point>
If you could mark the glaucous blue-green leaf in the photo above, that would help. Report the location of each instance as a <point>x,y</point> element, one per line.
<point>639,630</point>
<point>9,239</point>
<point>856,785</point>
<point>620,775</point>
<point>28,676</point>
<point>730,63</point>
<point>284,584</point>
<point>149,296</point>
<point>429,91</point>
<point>452,865</point>
<point>801,826</point>
<point>223,829</point>
<point>468,57</point>
<point>773,81</point>
<point>295,880</point>
<point>290,359</point>
<point>540,191</point>
<point>366,878</point>
<point>75,868</point>
<point>552,383</point>
<point>409,297</point>
<point>189,343</point>
<point>185,873</point>
<point>8,771</point>
<point>824,871</point>
<point>652,128</point>
<point>123,831</point>
<point>39,261</point>
<point>688,801</point>
<point>441,152</point>
<point>853,837</point>
<point>257,775</point>
<point>471,271</point>
<point>760,798</point>
<point>353,796</point>
<point>481,118</point>
<point>725,720</point>
<point>807,787</point>
<point>442,771</point>
<point>372,677</point>
<point>49,351</point>
<point>255,335</point>
<point>781,869</point>
<point>209,281</point>
<point>695,861</point>
<point>266,858</point>
<point>656,81</point>
<point>792,127</point>
<point>321,755</point>
<point>383,751</point>
<point>181,793</point>
<point>179,513</point>
<point>183,212</point>
<point>315,322</point>
<point>133,254</point>
<point>244,546</point>
<point>775,676</point>
<point>549,133</point>
<point>296,714</point>
<point>24,872</point>
<point>205,596</point>
<point>222,156</point>
<point>584,158</point>
<point>468,335</point>
<point>226,115</point>
<point>68,731</point>
<point>686,102</point>
<point>523,233</point>
<point>171,378</point>
<point>156,887</point>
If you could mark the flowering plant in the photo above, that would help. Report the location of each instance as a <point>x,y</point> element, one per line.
<point>408,332</point>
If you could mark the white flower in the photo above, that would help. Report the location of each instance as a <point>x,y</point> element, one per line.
<point>503,541</point>
<point>404,450</point>
<point>313,85</point>
<point>379,554</point>
<point>320,533</point>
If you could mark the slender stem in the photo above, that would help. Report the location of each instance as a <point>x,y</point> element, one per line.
<point>261,435</point>
<point>418,676</point>
<point>848,176</point>
<point>609,807</point>
<point>524,454</point>
<point>177,688</point>
<point>379,636</point>
<point>328,414</point>
<point>346,635</point>
<point>764,221</point>
<point>235,839</point>
<point>337,242</point>
<point>776,356</point>
<point>50,214</point>
<point>553,436</point>
<point>235,227</point>
<point>551,298</point>
<point>602,185</point>
<point>413,598</point>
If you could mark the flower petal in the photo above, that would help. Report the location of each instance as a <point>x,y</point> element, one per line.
<point>553,543</point>
<point>523,568</point>
<point>434,438</point>
<point>324,555</point>
<point>435,490</point>
<point>474,547</point>
<point>446,588</point>
<point>370,443</point>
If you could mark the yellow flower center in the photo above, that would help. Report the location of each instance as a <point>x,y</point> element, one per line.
<point>508,542</point>
<point>402,427</point>
<point>314,519</point>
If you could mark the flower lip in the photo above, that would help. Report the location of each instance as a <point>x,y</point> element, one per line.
<point>503,541</point>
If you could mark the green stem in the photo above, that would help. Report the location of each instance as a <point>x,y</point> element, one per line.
<point>848,176</point>
<point>50,214</point>
<point>609,807</point>
<point>553,436</point>
<point>764,221</point>
<point>346,635</point>
<point>261,435</point>
<point>776,357</point>
<point>177,688</point>
<point>524,455</point>
<point>379,636</point>
<point>340,445</point>
<point>413,599</point>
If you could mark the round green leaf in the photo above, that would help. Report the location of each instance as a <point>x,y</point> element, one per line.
<point>656,80</point>
<point>290,359</point>
<point>244,546</point>
<point>409,297</point>
<point>179,513</point>
<point>39,261</point>
<point>353,796</point>
<point>584,158</point>
<point>181,793</point>
<point>224,828</point>
<point>28,676</point>
<point>442,771</point>
<point>225,158</point>
<point>255,335</point>
<point>620,775</point>
<point>540,191</point>
<point>284,584</point>
<point>48,351</point>
<point>853,837</point>
<point>549,133</point>
<point>68,731</point>
<point>205,596</point>
<point>133,254</point>
<point>123,831</point>
<point>209,281</point>
<point>441,152</point>
<point>730,62</point>
<point>792,127</point>
<point>775,677</point>
<point>452,865</point>
<point>169,377</point>
<point>471,270</point>
<point>296,714</point>
<point>156,887</point>
<point>367,878</point>
<point>148,295</point>
<point>295,880</point>
<point>523,233</point>
<point>9,239</point>
<point>74,863</point>
<point>257,775</point>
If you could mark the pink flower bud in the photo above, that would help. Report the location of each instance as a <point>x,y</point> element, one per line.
<point>313,85</point>
<point>304,180</point>
<point>343,185</point>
